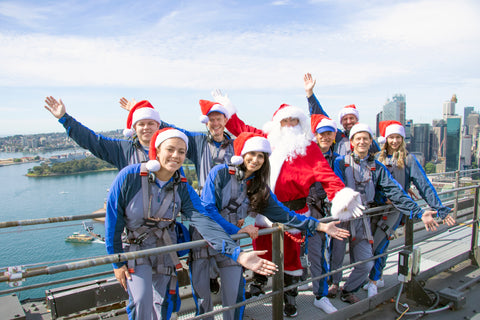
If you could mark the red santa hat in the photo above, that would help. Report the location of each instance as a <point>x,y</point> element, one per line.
<point>157,139</point>
<point>350,109</point>
<point>360,127</point>
<point>321,123</point>
<point>247,142</point>
<point>209,106</point>
<point>140,111</point>
<point>283,112</point>
<point>389,127</point>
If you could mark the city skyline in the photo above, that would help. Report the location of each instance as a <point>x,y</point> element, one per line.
<point>90,54</point>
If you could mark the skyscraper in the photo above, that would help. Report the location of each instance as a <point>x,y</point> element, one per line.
<point>454,125</point>
<point>449,107</point>
<point>395,109</point>
<point>421,140</point>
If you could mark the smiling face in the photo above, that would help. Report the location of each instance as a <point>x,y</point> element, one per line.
<point>394,142</point>
<point>216,125</point>
<point>325,140</point>
<point>253,161</point>
<point>171,154</point>
<point>361,142</point>
<point>348,121</point>
<point>145,130</point>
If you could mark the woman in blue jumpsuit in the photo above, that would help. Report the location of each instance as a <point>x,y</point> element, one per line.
<point>151,281</point>
<point>406,169</point>
<point>230,194</point>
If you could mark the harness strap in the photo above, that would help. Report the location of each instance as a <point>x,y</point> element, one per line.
<point>165,238</point>
<point>141,157</point>
<point>145,190</point>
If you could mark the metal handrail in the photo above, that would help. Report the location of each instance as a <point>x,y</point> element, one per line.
<point>107,259</point>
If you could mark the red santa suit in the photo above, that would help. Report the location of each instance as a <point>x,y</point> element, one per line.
<point>290,179</point>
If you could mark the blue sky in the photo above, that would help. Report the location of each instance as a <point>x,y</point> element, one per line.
<point>173,53</point>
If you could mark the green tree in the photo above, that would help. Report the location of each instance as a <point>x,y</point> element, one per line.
<point>430,168</point>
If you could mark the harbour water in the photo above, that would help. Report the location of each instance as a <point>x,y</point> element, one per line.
<point>29,198</point>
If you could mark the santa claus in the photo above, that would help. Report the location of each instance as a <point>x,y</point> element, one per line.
<point>296,163</point>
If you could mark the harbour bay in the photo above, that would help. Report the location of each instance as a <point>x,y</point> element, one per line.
<point>30,198</point>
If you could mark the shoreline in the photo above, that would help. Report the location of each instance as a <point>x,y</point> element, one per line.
<point>30,175</point>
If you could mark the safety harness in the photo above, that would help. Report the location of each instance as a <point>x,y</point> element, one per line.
<point>160,225</point>
<point>364,185</point>
<point>230,212</point>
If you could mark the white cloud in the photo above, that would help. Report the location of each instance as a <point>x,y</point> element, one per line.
<point>417,47</point>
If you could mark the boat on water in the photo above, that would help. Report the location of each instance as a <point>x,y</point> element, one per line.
<point>77,237</point>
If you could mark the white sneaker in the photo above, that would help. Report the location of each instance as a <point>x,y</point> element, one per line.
<point>380,283</point>
<point>305,287</point>
<point>324,304</point>
<point>372,289</point>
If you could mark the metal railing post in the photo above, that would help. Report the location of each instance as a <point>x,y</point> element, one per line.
<point>474,254</point>
<point>413,288</point>
<point>277,285</point>
<point>457,184</point>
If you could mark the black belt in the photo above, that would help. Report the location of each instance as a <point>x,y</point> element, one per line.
<point>296,204</point>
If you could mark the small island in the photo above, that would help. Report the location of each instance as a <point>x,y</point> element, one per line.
<point>86,165</point>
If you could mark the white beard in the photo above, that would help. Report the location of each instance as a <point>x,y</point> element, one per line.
<point>287,143</point>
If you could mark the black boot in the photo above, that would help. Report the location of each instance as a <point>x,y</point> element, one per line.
<point>256,286</point>
<point>289,297</point>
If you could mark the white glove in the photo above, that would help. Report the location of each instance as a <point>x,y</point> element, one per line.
<point>219,97</point>
<point>346,204</point>
<point>355,206</point>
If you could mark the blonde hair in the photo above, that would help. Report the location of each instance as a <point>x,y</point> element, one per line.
<point>398,156</point>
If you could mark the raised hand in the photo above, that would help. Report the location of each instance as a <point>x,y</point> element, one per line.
<point>309,84</point>
<point>127,105</point>
<point>252,261</point>
<point>57,108</point>
<point>429,220</point>
<point>223,99</point>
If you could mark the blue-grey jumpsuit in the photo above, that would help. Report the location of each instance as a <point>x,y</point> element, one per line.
<point>150,290</point>
<point>222,188</point>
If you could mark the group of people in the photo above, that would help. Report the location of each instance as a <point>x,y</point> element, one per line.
<point>292,171</point>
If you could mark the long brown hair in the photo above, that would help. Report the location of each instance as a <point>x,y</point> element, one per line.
<point>399,155</point>
<point>258,191</point>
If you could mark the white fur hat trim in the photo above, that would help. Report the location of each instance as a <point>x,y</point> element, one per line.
<point>145,113</point>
